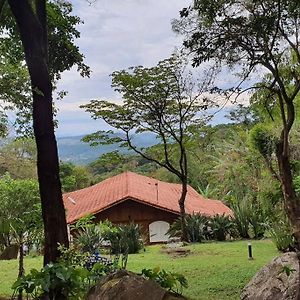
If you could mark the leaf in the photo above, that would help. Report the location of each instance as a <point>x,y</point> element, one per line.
<point>38,91</point>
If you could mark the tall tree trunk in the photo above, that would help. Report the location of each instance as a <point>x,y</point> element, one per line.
<point>291,201</point>
<point>21,263</point>
<point>32,23</point>
<point>181,202</point>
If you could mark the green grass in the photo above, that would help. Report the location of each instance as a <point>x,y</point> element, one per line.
<point>214,270</point>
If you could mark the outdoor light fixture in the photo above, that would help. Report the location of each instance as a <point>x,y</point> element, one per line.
<point>250,257</point>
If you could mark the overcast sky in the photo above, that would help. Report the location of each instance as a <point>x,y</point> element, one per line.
<point>116,34</point>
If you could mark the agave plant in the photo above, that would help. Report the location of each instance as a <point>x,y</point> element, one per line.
<point>241,214</point>
<point>197,228</point>
<point>89,239</point>
<point>221,226</point>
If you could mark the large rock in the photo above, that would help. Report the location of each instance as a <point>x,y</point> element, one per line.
<point>124,285</point>
<point>272,283</point>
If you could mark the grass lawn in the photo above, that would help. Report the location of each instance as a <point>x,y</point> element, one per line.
<point>214,270</point>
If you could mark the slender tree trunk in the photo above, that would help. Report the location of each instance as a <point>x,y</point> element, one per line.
<point>32,23</point>
<point>291,201</point>
<point>181,202</point>
<point>21,264</point>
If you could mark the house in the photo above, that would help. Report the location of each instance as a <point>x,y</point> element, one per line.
<point>130,197</point>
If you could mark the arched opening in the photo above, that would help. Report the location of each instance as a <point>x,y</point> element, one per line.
<point>158,231</point>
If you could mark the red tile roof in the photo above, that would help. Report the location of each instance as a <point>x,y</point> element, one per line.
<point>140,188</point>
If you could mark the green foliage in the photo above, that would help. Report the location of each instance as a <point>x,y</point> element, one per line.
<point>241,218</point>
<point>197,228</point>
<point>200,227</point>
<point>171,281</point>
<point>221,282</point>
<point>20,214</point>
<point>55,278</point>
<point>69,277</point>
<point>73,177</point>
<point>221,226</point>
<point>258,221</point>
<point>83,222</point>
<point>18,158</point>
<point>250,220</point>
<point>287,270</point>
<point>124,239</point>
<point>15,88</point>
<point>89,239</point>
<point>262,139</point>
<point>297,184</point>
<point>281,234</point>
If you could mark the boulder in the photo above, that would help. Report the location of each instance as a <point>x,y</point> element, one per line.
<point>10,252</point>
<point>272,282</point>
<point>125,285</point>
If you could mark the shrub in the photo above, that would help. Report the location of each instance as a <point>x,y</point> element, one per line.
<point>281,234</point>
<point>173,282</point>
<point>69,278</point>
<point>124,238</point>
<point>58,280</point>
<point>258,221</point>
<point>89,239</point>
<point>241,214</point>
<point>197,228</point>
<point>221,226</point>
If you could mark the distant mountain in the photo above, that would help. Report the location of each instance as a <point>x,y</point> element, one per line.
<point>72,149</point>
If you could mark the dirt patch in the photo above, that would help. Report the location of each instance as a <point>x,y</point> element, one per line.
<point>176,252</point>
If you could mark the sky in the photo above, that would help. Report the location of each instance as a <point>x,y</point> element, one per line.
<point>116,34</point>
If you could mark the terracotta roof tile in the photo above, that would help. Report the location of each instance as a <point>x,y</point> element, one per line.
<point>141,188</point>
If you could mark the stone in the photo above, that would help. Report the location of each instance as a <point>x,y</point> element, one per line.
<point>272,282</point>
<point>125,285</point>
<point>10,252</point>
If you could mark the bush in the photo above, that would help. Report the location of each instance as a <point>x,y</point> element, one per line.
<point>123,238</point>
<point>58,280</point>
<point>197,228</point>
<point>258,221</point>
<point>89,239</point>
<point>241,214</point>
<point>281,234</point>
<point>221,226</point>
<point>173,282</point>
<point>69,278</point>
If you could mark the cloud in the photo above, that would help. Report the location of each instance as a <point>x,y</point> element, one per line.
<point>116,35</point>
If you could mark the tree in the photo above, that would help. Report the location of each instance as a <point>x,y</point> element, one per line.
<point>255,36</point>
<point>21,213</point>
<point>164,100</point>
<point>15,87</point>
<point>74,177</point>
<point>18,158</point>
<point>32,27</point>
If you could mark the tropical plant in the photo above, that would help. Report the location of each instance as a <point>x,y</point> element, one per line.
<point>173,282</point>
<point>241,218</point>
<point>197,228</point>
<point>221,226</point>
<point>281,234</point>
<point>55,279</point>
<point>69,278</point>
<point>124,238</point>
<point>258,220</point>
<point>89,239</point>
